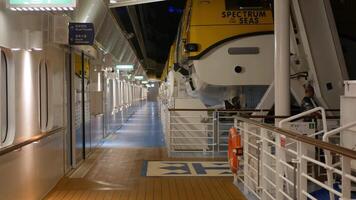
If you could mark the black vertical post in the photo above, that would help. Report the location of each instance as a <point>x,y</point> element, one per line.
<point>83,103</point>
<point>70,90</point>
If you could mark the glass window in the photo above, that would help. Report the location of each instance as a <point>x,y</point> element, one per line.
<point>4,109</point>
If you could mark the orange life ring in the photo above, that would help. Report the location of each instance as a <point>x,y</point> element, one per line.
<point>235,149</point>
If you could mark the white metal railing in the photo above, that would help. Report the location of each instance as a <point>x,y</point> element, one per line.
<point>272,170</point>
<point>190,132</point>
<point>197,130</point>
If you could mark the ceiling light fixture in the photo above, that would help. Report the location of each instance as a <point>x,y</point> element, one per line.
<point>125,67</point>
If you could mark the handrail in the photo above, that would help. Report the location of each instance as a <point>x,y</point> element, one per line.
<point>248,116</point>
<point>306,113</point>
<point>337,130</point>
<point>299,137</point>
<point>233,110</point>
<point>281,117</point>
<point>38,137</point>
<point>211,109</point>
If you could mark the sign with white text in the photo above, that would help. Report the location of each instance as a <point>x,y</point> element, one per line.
<point>81,33</point>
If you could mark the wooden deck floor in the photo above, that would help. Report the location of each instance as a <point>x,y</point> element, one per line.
<point>115,173</point>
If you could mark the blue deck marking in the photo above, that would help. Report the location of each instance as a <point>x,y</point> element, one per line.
<point>200,169</point>
<point>182,169</point>
<point>187,168</point>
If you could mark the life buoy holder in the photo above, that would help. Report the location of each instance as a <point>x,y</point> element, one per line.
<point>235,149</point>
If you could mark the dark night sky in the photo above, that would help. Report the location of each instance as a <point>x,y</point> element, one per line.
<point>159,23</point>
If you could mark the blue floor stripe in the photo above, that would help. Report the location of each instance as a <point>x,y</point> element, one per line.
<point>143,129</point>
<point>144,168</point>
<point>323,194</point>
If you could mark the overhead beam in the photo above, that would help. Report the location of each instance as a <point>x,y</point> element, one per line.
<point>122,3</point>
<point>138,32</point>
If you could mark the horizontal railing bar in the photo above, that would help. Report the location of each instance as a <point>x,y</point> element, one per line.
<point>175,130</point>
<point>322,185</point>
<point>282,117</point>
<point>268,194</point>
<point>269,141</point>
<point>332,169</point>
<point>270,168</point>
<point>269,154</point>
<point>192,137</point>
<point>235,110</point>
<point>350,177</point>
<point>176,116</point>
<point>250,167</point>
<point>292,152</point>
<point>301,138</point>
<point>192,124</point>
<point>36,138</point>
<point>192,151</point>
<point>251,179</point>
<point>309,195</point>
<point>250,132</point>
<point>285,195</point>
<point>252,156</point>
<point>251,145</point>
<point>286,180</point>
<point>286,164</point>
<point>269,181</point>
<point>173,144</point>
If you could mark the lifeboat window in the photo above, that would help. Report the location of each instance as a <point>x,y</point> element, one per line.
<point>248,4</point>
<point>4,102</point>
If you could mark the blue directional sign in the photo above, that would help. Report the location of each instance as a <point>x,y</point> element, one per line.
<point>81,33</point>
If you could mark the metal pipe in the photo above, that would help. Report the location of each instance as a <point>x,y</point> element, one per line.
<point>281,59</point>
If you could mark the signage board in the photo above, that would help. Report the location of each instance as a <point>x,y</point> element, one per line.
<point>81,33</point>
<point>51,4</point>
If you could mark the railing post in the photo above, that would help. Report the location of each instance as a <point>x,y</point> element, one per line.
<point>169,132</point>
<point>346,182</point>
<point>214,131</point>
<point>295,181</point>
<point>259,156</point>
<point>329,173</point>
<point>302,169</point>
<point>218,130</point>
<point>279,168</point>
<point>245,145</point>
<point>264,160</point>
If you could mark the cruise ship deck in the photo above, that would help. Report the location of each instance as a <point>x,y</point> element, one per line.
<point>115,169</point>
<point>177,99</point>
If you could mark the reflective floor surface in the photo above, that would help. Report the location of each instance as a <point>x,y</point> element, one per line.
<point>143,129</point>
<point>114,170</point>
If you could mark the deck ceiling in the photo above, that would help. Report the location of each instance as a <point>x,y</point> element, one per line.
<point>151,29</point>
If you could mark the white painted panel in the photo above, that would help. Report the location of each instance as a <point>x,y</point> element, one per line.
<point>218,66</point>
<point>348,110</point>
